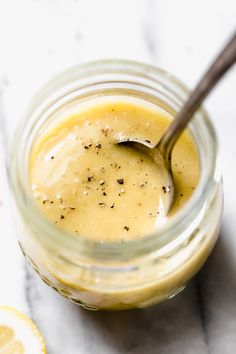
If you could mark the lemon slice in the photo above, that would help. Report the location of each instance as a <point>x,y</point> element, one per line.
<point>18,334</point>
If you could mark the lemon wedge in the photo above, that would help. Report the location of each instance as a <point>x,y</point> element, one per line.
<point>19,334</point>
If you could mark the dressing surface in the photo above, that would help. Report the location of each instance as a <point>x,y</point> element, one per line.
<point>88,185</point>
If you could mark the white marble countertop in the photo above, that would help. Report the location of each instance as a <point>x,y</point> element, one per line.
<point>39,38</point>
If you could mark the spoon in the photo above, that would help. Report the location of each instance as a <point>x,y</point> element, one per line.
<point>161,152</point>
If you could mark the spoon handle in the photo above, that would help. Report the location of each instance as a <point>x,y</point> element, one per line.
<point>219,67</point>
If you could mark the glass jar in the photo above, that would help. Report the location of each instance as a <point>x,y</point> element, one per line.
<point>141,272</point>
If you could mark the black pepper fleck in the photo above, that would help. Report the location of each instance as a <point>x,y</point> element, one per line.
<point>166,189</point>
<point>120,180</point>
<point>62,217</point>
<point>126,228</point>
<point>105,131</point>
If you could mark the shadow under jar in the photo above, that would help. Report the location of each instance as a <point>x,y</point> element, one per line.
<point>114,275</point>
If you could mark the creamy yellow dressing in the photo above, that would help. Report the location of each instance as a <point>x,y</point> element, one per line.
<point>88,185</point>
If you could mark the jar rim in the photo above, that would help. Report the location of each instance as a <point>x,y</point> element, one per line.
<point>169,234</point>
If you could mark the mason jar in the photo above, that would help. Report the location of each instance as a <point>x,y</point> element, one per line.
<point>112,275</point>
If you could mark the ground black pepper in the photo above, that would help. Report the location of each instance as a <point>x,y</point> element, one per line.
<point>105,131</point>
<point>120,180</point>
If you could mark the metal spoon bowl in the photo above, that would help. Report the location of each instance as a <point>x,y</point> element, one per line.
<point>162,151</point>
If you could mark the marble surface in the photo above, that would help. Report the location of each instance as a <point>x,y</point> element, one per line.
<point>39,38</point>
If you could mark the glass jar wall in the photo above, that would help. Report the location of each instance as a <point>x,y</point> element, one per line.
<point>141,272</point>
